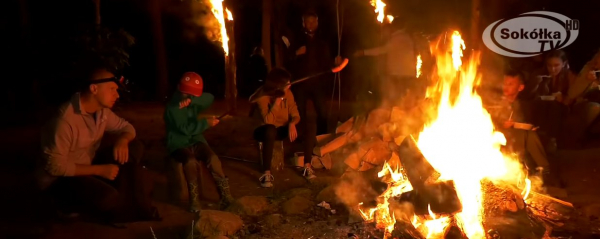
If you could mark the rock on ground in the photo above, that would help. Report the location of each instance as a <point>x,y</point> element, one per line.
<point>218,237</point>
<point>327,195</point>
<point>251,205</point>
<point>297,205</point>
<point>302,192</point>
<point>273,220</point>
<point>218,223</point>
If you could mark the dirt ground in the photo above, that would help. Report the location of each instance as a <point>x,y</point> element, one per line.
<point>233,138</point>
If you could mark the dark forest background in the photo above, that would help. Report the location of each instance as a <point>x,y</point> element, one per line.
<point>45,44</point>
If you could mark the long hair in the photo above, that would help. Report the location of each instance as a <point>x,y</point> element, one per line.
<point>562,82</point>
<point>276,81</point>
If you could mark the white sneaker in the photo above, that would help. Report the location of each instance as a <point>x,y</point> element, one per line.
<point>266,180</point>
<point>309,173</point>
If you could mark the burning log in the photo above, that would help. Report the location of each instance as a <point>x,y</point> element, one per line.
<point>405,230</point>
<point>506,214</point>
<point>553,211</point>
<point>440,196</point>
<point>418,170</point>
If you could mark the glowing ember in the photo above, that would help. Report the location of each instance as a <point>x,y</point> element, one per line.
<point>527,189</point>
<point>217,10</point>
<point>419,64</point>
<point>379,6</point>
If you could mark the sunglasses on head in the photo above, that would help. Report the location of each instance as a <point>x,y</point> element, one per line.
<point>119,80</point>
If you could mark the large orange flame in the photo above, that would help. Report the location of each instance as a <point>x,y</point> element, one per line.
<point>460,142</point>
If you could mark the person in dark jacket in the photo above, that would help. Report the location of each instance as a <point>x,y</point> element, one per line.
<point>510,117</point>
<point>309,54</point>
<point>185,141</point>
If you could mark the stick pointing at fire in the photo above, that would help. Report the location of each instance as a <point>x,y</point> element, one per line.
<point>335,69</point>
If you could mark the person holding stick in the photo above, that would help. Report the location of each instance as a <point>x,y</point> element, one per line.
<point>401,59</point>
<point>275,107</point>
<point>185,141</point>
<point>311,54</point>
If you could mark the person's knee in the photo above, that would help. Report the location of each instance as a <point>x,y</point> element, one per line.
<point>136,151</point>
<point>108,201</point>
<point>593,109</point>
<point>270,132</point>
<point>214,165</point>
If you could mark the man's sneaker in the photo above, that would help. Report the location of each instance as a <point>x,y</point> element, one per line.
<point>309,173</point>
<point>266,180</point>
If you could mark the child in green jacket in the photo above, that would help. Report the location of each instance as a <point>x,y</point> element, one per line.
<point>185,141</point>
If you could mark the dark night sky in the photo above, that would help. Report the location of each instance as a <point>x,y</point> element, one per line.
<point>32,31</point>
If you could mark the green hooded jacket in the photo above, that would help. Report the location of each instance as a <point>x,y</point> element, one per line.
<point>184,129</point>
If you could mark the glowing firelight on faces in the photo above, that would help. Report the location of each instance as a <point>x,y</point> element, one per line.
<point>460,143</point>
<point>217,10</point>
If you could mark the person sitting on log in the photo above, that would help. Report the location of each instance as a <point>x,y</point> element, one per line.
<point>565,88</point>
<point>83,174</point>
<point>276,109</point>
<point>185,141</point>
<point>511,119</point>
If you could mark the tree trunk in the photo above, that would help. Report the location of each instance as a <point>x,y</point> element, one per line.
<point>475,13</point>
<point>231,67</point>
<point>279,47</point>
<point>154,9</point>
<point>266,31</point>
<point>97,4</point>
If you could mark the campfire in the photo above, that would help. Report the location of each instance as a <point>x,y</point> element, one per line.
<point>453,179</point>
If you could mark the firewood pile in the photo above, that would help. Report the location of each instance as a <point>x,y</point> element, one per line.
<point>506,214</point>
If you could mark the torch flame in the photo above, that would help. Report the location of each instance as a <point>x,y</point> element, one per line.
<point>379,6</point>
<point>229,15</point>
<point>217,10</point>
<point>390,18</point>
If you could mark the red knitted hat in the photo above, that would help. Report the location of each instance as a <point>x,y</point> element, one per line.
<point>191,83</point>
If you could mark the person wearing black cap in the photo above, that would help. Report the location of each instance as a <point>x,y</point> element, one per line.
<point>309,54</point>
<point>86,179</point>
<point>279,115</point>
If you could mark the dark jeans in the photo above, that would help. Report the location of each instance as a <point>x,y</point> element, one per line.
<point>268,134</point>
<point>316,92</point>
<point>203,152</point>
<point>549,115</point>
<point>123,199</point>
